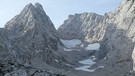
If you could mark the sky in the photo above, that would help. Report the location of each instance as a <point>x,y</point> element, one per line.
<point>57,10</point>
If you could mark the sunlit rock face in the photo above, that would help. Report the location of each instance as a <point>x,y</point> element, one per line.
<point>133,56</point>
<point>29,40</point>
<point>97,45</point>
<point>32,34</point>
<point>83,26</point>
<point>120,35</point>
<point>118,42</point>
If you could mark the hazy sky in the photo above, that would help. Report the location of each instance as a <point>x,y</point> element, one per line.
<point>58,10</point>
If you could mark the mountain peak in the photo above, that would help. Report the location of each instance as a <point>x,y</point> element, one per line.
<point>32,8</point>
<point>30,16</point>
<point>38,6</point>
<point>29,6</point>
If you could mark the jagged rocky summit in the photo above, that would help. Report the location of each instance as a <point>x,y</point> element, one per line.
<point>30,46</point>
<point>82,26</point>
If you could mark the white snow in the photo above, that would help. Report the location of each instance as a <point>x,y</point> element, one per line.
<point>66,49</point>
<point>94,46</point>
<point>71,43</point>
<point>82,45</point>
<point>93,57</point>
<point>104,57</point>
<point>87,62</point>
<point>68,64</point>
<point>85,68</point>
<point>25,31</point>
<point>100,67</point>
<point>56,60</point>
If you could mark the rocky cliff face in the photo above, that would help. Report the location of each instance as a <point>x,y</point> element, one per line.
<point>82,26</point>
<point>32,34</point>
<point>119,37</point>
<point>29,40</point>
<point>30,46</point>
<point>116,30</point>
<point>124,20</point>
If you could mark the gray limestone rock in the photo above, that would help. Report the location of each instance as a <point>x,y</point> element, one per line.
<point>30,45</point>
<point>30,40</point>
<point>82,26</point>
<point>118,41</point>
<point>33,36</point>
<point>116,34</point>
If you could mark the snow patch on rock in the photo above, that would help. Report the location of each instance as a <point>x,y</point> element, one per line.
<point>85,68</point>
<point>82,45</point>
<point>87,62</point>
<point>66,49</point>
<point>71,43</point>
<point>56,60</point>
<point>94,46</point>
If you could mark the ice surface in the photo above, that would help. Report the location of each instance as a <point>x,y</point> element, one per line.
<point>56,60</point>
<point>87,62</point>
<point>71,43</point>
<point>94,46</point>
<point>66,49</point>
<point>85,68</point>
<point>68,64</point>
<point>93,57</point>
<point>82,45</point>
<point>100,67</point>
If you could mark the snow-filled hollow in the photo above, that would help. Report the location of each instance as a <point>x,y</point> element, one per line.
<point>87,62</point>
<point>71,43</point>
<point>85,68</point>
<point>94,46</point>
<point>66,49</point>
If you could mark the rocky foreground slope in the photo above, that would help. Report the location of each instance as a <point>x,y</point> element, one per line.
<point>115,32</point>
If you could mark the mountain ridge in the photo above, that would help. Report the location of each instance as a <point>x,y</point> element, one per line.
<point>116,36</point>
<point>31,46</point>
<point>31,41</point>
<point>80,26</point>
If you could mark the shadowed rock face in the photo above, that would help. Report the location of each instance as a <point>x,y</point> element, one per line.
<point>4,44</point>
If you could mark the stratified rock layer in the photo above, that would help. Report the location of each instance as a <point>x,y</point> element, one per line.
<point>82,26</point>
<point>30,41</point>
